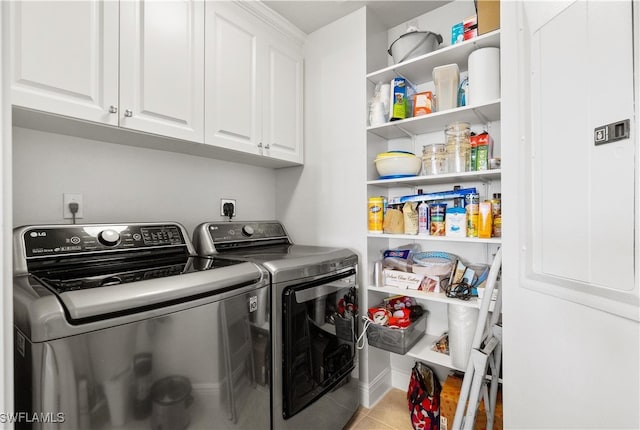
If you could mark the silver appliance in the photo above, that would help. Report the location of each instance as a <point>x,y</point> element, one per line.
<point>313,322</point>
<point>123,326</point>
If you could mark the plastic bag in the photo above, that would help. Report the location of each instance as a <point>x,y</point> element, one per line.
<point>423,398</point>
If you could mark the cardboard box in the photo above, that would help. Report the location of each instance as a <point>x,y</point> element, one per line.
<point>488,12</point>
<point>449,401</point>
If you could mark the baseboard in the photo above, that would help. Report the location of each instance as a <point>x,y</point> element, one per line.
<point>372,392</point>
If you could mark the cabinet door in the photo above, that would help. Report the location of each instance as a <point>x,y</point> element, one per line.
<point>162,67</point>
<point>232,114</point>
<point>65,58</point>
<point>580,203</point>
<point>282,128</point>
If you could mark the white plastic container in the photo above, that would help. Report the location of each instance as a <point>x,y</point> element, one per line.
<point>484,76</point>
<point>446,80</point>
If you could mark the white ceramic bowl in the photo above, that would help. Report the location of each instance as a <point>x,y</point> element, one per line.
<point>401,165</point>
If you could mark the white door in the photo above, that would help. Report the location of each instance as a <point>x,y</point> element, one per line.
<point>570,223</point>
<point>283,116</point>
<point>162,67</point>
<point>233,48</point>
<point>579,212</point>
<point>65,58</point>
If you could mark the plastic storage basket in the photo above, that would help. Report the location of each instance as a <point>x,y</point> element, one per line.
<point>398,340</point>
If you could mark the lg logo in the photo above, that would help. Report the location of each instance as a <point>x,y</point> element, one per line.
<point>38,234</point>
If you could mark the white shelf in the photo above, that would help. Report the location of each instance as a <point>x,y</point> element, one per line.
<point>434,297</point>
<point>447,178</point>
<point>419,70</point>
<point>495,240</point>
<point>422,351</point>
<point>437,121</point>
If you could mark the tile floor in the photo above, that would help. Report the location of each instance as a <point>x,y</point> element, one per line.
<point>390,413</point>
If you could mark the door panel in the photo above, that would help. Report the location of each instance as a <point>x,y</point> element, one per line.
<point>283,103</point>
<point>580,201</point>
<point>232,115</point>
<point>162,67</point>
<point>65,57</point>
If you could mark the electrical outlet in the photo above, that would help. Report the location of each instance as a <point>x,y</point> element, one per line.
<point>72,198</point>
<point>227,202</point>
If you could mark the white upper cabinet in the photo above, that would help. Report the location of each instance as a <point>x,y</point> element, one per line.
<point>233,116</point>
<point>162,67</point>
<point>148,66</point>
<point>65,58</point>
<point>253,85</point>
<point>282,122</point>
<point>136,64</point>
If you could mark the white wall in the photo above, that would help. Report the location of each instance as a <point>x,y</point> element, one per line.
<point>6,268</point>
<point>324,202</point>
<point>127,184</point>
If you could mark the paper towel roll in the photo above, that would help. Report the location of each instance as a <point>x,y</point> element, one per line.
<point>484,76</point>
<point>462,327</point>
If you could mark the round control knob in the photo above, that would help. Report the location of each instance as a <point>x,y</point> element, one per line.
<point>109,237</point>
<point>247,230</point>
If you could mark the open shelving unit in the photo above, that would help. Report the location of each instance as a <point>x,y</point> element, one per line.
<point>419,71</point>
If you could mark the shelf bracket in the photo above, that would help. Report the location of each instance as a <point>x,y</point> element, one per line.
<point>483,119</point>
<point>411,135</point>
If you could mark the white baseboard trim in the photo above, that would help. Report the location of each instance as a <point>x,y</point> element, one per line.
<point>372,392</point>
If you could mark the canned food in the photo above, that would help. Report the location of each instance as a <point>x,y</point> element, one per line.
<point>472,202</point>
<point>376,214</point>
<point>437,212</point>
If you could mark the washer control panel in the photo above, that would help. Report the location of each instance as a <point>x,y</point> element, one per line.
<point>75,239</point>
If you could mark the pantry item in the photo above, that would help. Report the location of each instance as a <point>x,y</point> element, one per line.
<point>494,163</point>
<point>379,104</point>
<point>402,92</point>
<point>463,90</point>
<point>456,222</point>
<point>423,218</point>
<point>446,80</point>
<point>482,144</point>
<point>376,214</point>
<point>423,103</point>
<point>496,208</point>
<point>377,114</point>
<point>399,165</point>
<point>471,203</point>
<point>434,159</point>
<point>458,147</point>
<point>410,218</point>
<point>437,212</point>
<point>484,76</point>
<point>457,33</point>
<point>470,25</point>
<point>393,222</point>
<point>485,219</point>
<point>413,44</point>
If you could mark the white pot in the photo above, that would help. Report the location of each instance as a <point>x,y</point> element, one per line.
<point>414,44</point>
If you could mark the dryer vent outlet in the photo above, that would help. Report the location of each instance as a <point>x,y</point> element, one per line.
<point>228,208</point>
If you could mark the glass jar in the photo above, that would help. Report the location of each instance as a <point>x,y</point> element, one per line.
<point>434,159</point>
<point>458,147</point>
